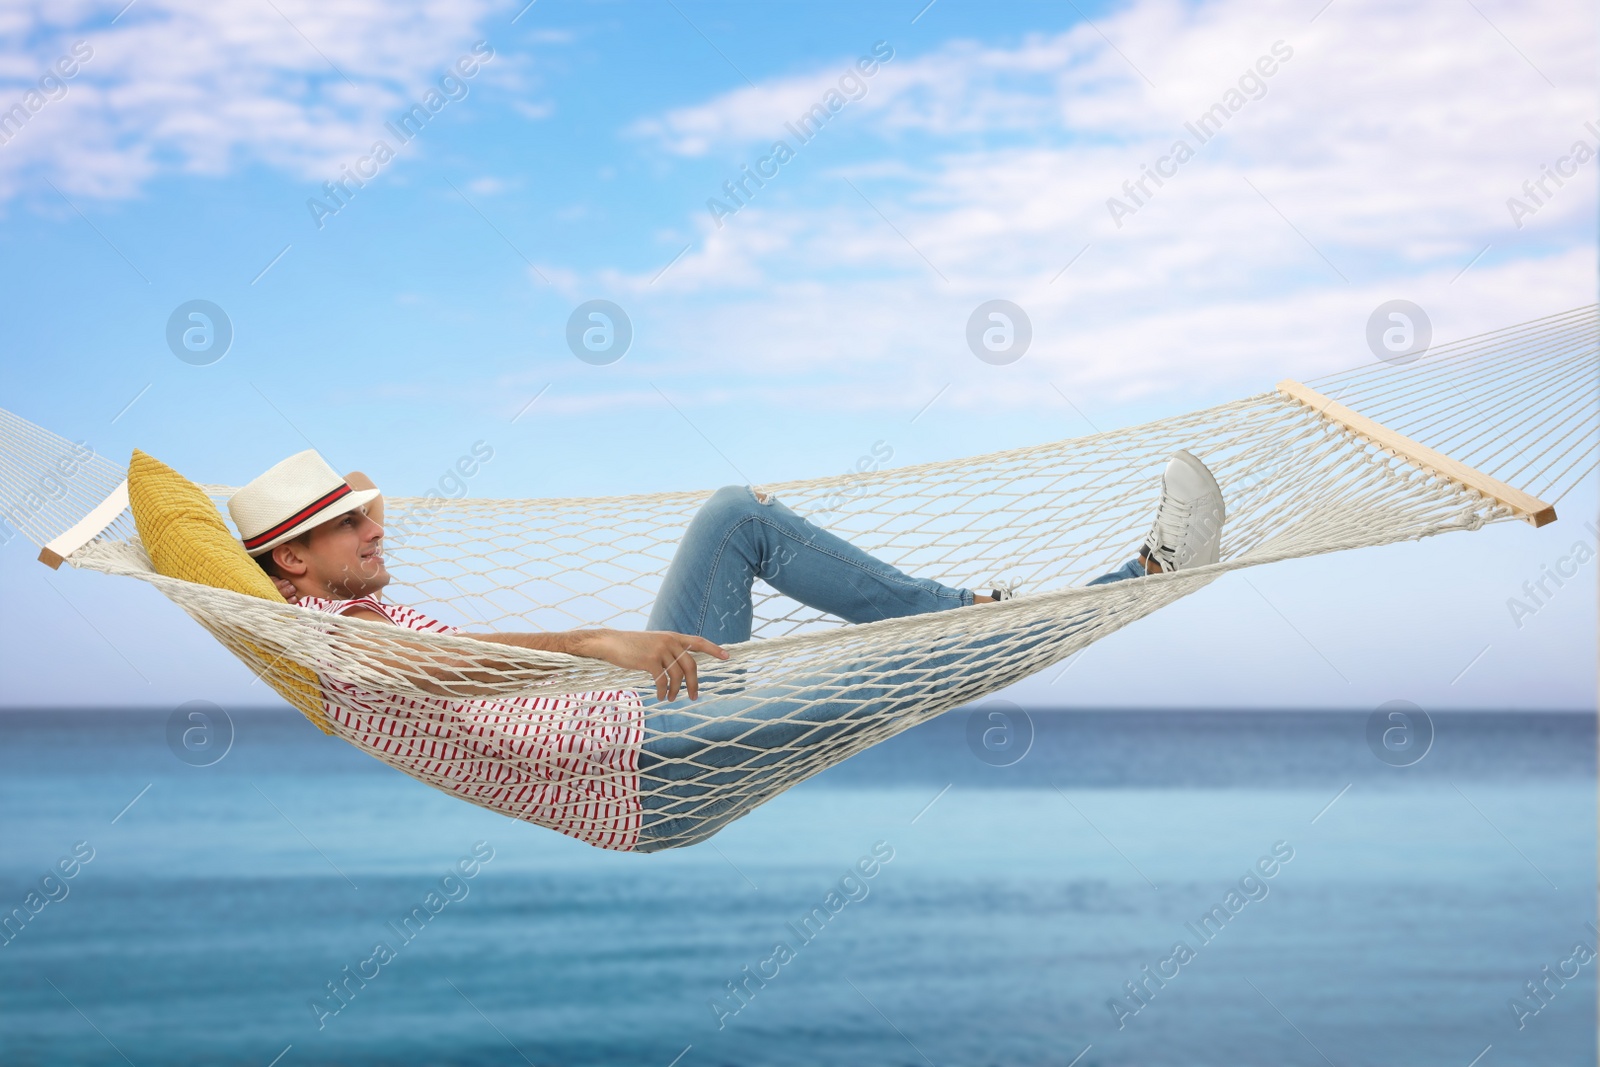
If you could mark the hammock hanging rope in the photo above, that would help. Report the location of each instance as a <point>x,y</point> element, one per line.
<point>1493,428</point>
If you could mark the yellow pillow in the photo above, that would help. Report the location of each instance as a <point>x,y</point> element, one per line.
<point>185,537</point>
<point>184,533</point>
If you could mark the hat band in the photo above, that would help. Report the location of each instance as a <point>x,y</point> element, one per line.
<point>297,518</point>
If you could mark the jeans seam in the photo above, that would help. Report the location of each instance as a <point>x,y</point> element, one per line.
<point>705,599</point>
<point>716,558</point>
<point>910,582</point>
<point>960,595</point>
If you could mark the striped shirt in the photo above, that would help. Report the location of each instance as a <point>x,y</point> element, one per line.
<point>570,763</point>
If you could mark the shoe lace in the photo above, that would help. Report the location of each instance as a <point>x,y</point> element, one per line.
<point>1172,515</point>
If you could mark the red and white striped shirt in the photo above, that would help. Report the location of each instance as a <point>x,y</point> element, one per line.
<point>570,763</point>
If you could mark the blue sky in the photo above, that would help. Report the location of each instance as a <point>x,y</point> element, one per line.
<point>783,340</point>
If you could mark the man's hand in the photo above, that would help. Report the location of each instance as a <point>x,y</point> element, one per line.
<point>287,589</point>
<point>665,655</point>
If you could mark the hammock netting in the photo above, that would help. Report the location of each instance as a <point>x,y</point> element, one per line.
<point>1518,405</point>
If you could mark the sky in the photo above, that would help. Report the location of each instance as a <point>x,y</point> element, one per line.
<point>578,151</point>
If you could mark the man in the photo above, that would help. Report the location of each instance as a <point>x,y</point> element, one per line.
<point>319,537</point>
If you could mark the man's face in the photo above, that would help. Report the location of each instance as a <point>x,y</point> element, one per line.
<point>345,555</point>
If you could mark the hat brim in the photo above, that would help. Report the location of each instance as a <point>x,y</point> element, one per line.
<point>355,499</point>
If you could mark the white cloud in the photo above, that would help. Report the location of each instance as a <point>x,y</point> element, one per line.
<point>533,110</point>
<point>488,185</point>
<point>199,87</point>
<point>1374,162</point>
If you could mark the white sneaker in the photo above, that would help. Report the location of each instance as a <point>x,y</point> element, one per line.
<point>1188,527</point>
<point>1004,590</point>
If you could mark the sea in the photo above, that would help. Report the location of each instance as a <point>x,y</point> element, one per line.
<point>1072,888</point>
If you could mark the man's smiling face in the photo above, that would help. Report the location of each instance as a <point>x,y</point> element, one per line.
<point>341,558</point>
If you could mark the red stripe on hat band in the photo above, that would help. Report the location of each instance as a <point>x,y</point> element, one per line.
<point>297,518</point>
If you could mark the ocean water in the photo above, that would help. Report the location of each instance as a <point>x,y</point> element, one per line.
<point>1007,907</point>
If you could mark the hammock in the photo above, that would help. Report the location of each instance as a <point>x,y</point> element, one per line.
<point>1494,428</point>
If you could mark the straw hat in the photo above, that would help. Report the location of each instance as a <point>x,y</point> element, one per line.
<point>291,498</point>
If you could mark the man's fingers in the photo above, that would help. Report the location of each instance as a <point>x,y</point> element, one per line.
<point>691,669</point>
<point>676,669</point>
<point>661,677</point>
<point>696,643</point>
<point>700,644</point>
<point>672,672</point>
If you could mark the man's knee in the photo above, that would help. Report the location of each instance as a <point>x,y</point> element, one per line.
<point>723,510</point>
<point>734,500</point>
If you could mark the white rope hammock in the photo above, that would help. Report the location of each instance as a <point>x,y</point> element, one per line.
<point>1352,460</point>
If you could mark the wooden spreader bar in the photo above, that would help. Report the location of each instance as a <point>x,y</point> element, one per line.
<point>1528,508</point>
<point>86,529</point>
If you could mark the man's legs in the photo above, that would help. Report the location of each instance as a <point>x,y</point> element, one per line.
<point>735,539</point>
<point>696,774</point>
<point>1134,568</point>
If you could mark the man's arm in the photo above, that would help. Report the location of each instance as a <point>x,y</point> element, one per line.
<point>664,655</point>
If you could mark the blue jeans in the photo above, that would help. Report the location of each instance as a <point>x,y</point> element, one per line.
<point>1134,568</point>
<point>733,540</point>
